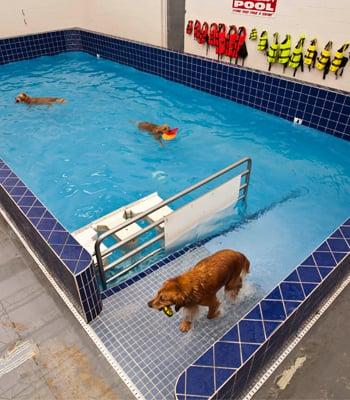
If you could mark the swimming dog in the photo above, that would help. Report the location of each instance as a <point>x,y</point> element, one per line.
<point>199,286</point>
<point>24,98</point>
<point>157,131</point>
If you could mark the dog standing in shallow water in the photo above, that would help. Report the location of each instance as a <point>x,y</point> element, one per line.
<point>24,98</point>
<point>199,285</point>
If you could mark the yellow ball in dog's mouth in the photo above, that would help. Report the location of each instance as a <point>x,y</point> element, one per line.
<point>168,311</point>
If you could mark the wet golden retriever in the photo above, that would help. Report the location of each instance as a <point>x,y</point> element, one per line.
<point>24,98</point>
<point>199,285</point>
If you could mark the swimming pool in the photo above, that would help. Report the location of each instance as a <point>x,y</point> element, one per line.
<point>86,158</point>
<point>258,231</point>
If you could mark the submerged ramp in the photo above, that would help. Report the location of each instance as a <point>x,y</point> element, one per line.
<point>149,346</point>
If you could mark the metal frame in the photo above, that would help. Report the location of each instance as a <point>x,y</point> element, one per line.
<point>100,255</point>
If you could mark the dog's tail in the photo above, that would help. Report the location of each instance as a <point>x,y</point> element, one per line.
<point>246,267</point>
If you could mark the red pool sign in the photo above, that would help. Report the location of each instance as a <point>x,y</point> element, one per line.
<point>255,7</point>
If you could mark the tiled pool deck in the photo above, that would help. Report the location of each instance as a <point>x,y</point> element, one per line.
<point>148,345</point>
<point>225,368</point>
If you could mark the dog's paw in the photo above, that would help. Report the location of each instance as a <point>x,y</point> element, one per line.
<point>231,295</point>
<point>185,326</point>
<point>215,315</point>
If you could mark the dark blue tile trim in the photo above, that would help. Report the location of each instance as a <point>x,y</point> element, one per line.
<point>31,46</point>
<point>63,255</point>
<point>249,344</point>
<point>327,110</point>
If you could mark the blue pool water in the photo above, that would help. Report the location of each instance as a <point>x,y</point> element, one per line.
<point>86,158</point>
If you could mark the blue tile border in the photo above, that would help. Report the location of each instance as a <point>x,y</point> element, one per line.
<point>322,108</point>
<point>63,255</point>
<point>25,47</point>
<point>246,346</point>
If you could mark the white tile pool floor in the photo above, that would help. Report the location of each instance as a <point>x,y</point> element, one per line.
<point>149,346</point>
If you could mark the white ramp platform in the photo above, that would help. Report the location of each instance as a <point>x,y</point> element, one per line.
<point>88,234</point>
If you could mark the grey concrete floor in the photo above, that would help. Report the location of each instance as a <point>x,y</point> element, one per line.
<point>319,366</point>
<point>66,364</point>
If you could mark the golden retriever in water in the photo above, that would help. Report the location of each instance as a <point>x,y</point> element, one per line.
<point>24,98</point>
<point>157,131</point>
<point>199,285</point>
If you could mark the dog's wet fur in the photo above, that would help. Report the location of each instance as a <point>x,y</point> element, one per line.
<point>157,131</point>
<point>199,286</point>
<point>24,98</point>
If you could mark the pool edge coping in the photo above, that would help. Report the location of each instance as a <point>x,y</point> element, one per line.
<point>69,256</point>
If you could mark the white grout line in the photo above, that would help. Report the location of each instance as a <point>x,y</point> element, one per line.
<point>110,359</point>
<point>291,344</point>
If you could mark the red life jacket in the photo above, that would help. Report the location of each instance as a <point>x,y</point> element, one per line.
<point>213,34</point>
<point>236,41</point>
<point>221,49</point>
<point>189,28</point>
<point>232,39</point>
<point>203,38</point>
<point>197,30</point>
<point>242,35</point>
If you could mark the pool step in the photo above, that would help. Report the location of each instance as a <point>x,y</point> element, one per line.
<point>88,234</point>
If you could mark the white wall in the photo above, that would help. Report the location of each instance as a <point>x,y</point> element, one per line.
<point>40,16</point>
<point>140,20</point>
<point>324,19</point>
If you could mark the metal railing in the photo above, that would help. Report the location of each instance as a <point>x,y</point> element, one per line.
<point>101,255</point>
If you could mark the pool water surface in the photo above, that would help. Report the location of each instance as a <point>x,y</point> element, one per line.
<point>86,158</point>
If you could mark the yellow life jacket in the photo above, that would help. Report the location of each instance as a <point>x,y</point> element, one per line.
<point>253,34</point>
<point>263,41</point>
<point>272,53</point>
<point>311,54</point>
<point>297,56</point>
<point>324,57</point>
<point>285,50</point>
<point>339,55</point>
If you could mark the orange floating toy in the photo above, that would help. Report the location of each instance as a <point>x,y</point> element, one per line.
<point>170,135</point>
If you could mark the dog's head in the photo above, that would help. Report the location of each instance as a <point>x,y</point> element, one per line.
<point>22,98</point>
<point>163,129</point>
<point>170,294</point>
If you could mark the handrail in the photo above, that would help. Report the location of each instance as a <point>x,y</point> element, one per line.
<point>100,255</point>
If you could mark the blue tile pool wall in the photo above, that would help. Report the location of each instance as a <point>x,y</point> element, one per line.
<point>227,368</point>
<point>31,46</point>
<point>70,263</point>
<point>325,110</point>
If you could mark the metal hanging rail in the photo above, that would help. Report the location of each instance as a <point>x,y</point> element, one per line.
<point>101,255</point>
